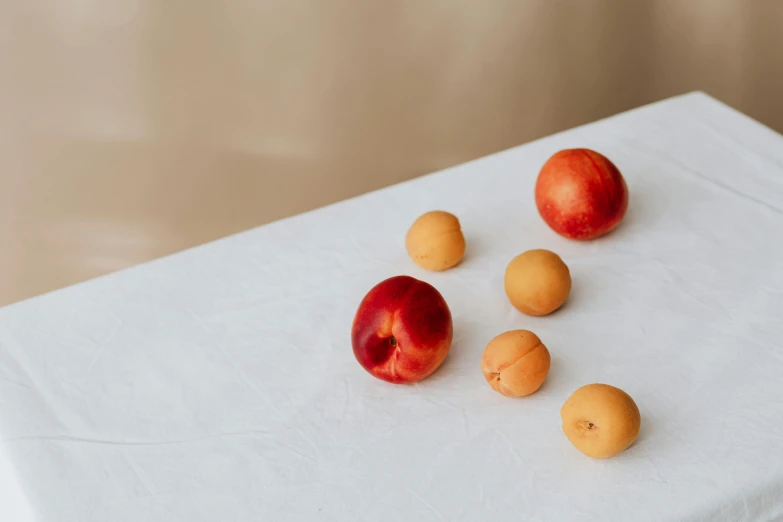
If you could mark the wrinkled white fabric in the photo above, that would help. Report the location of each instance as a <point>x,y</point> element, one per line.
<point>219,383</point>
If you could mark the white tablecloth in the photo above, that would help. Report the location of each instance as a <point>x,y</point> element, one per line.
<point>219,384</point>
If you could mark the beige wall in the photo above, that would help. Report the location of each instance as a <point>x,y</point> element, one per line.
<point>134,128</point>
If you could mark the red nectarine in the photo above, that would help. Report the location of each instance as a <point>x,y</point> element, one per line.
<point>580,194</point>
<point>402,330</point>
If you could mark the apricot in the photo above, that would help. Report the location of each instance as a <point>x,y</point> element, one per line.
<point>537,282</point>
<point>435,241</point>
<point>600,420</point>
<point>515,363</point>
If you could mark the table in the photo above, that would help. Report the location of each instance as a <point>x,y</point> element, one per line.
<point>219,383</point>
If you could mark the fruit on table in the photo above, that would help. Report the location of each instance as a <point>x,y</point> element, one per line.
<point>435,241</point>
<point>600,420</point>
<point>537,282</point>
<point>402,330</point>
<point>515,363</point>
<point>580,194</point>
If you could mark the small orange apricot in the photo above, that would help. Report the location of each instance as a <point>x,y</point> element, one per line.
<point>435,241</point>
<point>537,282</point>
<point>515,363</point>
<point>600,420</point>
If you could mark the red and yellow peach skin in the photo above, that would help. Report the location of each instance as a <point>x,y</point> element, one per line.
<point>402,330</point>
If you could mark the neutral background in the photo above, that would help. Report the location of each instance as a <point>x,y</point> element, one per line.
<point>133,129</point>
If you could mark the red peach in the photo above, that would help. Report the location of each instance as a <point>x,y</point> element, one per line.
<point>402,330</point>
<point>580,194</point>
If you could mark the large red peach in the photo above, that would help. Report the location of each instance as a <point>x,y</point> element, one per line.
<point>402,330</point>
<point>580,194</point>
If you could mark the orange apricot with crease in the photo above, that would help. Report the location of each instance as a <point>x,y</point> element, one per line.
<point>435,241</point>
<point>515,363</point>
